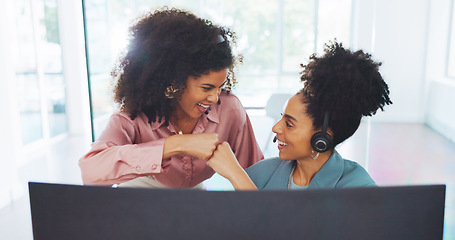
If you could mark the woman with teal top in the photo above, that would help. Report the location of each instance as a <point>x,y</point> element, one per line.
<point>340,88</point>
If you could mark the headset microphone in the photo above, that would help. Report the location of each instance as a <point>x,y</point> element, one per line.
<point>274,139</point>
<point>207,111</point>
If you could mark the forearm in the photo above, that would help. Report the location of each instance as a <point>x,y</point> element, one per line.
<point>241,181</point>
<point>107,163</point>
<point>172,146</point>
<point>199,145</point>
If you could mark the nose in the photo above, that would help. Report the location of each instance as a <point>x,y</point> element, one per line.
<point>213,97</point>
<point>277,127</point>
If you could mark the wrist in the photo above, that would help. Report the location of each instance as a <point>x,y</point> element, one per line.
<point>241,181</point>
<point>173,145</point>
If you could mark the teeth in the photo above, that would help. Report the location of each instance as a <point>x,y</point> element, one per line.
<point>281,143</point>
<point>202,105</point>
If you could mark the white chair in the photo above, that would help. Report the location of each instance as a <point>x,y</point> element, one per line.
<point>273,109</point>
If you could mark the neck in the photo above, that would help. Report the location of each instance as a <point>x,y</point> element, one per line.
<point>307,168</point>
<point>183,124</point>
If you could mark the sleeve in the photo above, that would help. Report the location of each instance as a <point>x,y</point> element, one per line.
<point>114,158</point>
<point>245,147</point>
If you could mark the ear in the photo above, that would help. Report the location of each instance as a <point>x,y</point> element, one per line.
<point>329,131</point>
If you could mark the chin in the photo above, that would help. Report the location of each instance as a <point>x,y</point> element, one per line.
<point>283,157</point>
<point>195,114</point>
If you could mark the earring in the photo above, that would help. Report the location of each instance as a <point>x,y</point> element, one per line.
<point>314,158</point>
<point>170,91</point>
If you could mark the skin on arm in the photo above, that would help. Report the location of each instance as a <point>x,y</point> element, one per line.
<point>224,162</point>
<point>200,145</point>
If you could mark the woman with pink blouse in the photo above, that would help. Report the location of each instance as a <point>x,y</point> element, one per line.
<point>173,86</point>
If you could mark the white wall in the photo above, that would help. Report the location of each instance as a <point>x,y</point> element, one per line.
<point>9,139</point>
<point>411,38</point>
<point>440,88</point>
<point>395,32</point>
<point>71,29</point>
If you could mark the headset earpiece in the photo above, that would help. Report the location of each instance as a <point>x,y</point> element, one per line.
<point>322,141</point>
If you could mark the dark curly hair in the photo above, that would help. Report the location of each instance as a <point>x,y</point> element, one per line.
<point>345,84</point>
<point>166,47</point>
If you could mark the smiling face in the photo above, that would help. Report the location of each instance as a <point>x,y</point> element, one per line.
<point>294,131</point>
<point>200,93</point>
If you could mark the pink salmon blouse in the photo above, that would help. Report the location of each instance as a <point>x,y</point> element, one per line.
<point>133,148</point>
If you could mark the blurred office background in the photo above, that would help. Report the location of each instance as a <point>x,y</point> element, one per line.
<point>56,56</point>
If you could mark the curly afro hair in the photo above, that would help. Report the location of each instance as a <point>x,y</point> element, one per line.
<point>166,47</point>
<point>345,84</point>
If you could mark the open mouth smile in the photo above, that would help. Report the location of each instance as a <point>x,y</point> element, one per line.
<point>202,107</point>
<point>281,144</point>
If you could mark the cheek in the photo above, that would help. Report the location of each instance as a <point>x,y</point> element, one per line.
<point>301,136</point>
<point>301,141</point>
<point>196,95</point>
<point>188,96</point>
<point>186,101</point>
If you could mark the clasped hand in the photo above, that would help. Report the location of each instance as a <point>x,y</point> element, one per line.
<point>219,156</point>
<point>201,145</point>
<point>224,162</point>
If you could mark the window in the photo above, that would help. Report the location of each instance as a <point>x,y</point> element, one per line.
<point>274,36</point>
<point>40,85</point>
<point>451,55</point>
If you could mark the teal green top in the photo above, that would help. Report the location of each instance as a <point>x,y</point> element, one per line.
<point>273,174</point>
<point>294,186</point>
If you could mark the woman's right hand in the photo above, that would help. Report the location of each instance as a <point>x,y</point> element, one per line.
<point>224,161</point>
<point>199,145</point>
<point>225,164</point>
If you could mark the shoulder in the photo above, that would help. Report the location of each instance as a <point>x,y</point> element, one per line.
<point>230,100</point>
<point>122,120</point>
<point>126,118</point>
<point>354,175</point>
<point>351,167</point>
<point>231,107</point>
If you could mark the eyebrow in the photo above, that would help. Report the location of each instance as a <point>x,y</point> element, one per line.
<point>213,86</point>
<point>290,117</point>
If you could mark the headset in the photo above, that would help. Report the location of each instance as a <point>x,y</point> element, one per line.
<point>322,141</point>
